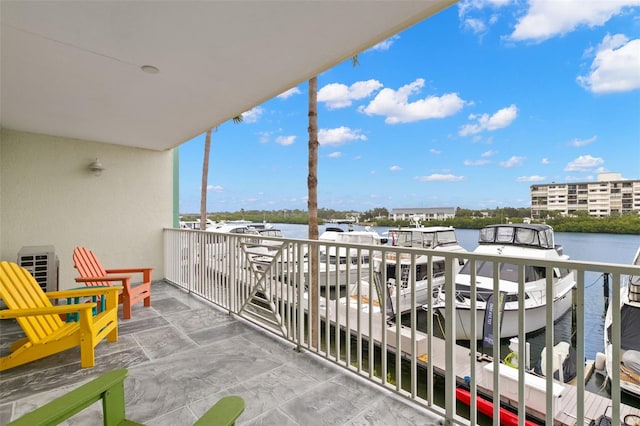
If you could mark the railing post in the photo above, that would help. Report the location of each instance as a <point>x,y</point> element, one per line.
<point>548,333</point>
<point>233,252</point>
<point>450,341</point>
<point>297,279</point>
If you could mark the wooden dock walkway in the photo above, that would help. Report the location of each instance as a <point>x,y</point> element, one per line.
<point>564,412</point>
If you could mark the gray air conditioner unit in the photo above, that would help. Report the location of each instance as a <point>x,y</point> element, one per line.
<point>42,263</point>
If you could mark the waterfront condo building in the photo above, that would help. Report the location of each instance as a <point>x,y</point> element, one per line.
<point>431,213</point>
<point>609,195</point>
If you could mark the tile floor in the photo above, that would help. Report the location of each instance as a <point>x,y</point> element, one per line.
<point>183,354</point>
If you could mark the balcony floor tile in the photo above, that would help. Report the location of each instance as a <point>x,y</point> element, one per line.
<point>183,354</point>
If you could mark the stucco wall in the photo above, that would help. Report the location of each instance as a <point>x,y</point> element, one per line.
<point>49,197</point>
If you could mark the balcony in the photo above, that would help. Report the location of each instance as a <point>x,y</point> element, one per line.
<point>184,353</point>
<point>233,317</point>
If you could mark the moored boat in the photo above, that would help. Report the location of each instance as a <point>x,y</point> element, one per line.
<point>534,241</point>
<point>341,263</point>
<point>401,273</point>
<point>630,334</point>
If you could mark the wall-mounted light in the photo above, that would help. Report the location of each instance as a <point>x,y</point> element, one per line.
<point>150,69</point>
<point>96,167</point>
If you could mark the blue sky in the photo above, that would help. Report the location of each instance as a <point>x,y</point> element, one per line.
<point>466,109</point>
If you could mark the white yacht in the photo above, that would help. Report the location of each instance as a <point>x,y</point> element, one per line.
<point>402,279</point>
<point>341,264</point>
<point>534,241</point>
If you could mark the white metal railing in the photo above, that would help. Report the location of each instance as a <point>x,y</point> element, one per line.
<point>265,280</point>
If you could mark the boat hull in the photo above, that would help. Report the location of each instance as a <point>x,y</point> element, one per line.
<point>535,317</point>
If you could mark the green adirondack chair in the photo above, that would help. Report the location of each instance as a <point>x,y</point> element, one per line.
<point>109,388</point>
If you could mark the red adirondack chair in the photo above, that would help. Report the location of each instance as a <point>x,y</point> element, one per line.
<point>93,274</point>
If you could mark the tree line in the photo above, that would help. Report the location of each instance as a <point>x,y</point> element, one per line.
<point>464,219</point>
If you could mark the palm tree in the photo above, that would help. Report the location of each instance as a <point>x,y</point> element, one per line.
<point>312,202</point>
<point>205,174</point>
<point>312,205</point>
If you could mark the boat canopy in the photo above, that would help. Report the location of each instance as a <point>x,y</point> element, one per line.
<point>518,234</point>
<point>423,238</point>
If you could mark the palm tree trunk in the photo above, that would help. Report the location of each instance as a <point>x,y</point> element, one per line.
<point>205,174</point>
<point>312,203</point>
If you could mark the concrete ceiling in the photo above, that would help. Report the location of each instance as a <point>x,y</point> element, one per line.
<point>73,68</point>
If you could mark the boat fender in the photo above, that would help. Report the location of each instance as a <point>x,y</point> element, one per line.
<point>600,361</point>
<point>511,360</point>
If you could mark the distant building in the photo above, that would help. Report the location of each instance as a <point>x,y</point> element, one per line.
<point>610,194</point>
<point>432,213</point>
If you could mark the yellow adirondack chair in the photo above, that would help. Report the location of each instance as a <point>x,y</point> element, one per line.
<point>45,332</point>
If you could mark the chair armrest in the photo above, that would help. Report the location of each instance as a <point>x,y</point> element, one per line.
<point>146,272</point>
<point>50,310</point>
<point>82,292</point>
<point>121,278</point>
<point>223,413</point>
<point>109,387</point>
<point>128,270</point>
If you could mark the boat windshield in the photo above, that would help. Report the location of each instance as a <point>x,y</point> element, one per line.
<point>413,238</point>
<point>518,236</point>
<point>507,271</point>
<point>350,238</point>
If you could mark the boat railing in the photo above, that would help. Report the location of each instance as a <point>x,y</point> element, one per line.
<point>352,324</point>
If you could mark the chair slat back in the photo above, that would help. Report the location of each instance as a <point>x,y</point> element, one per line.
<point>19,290</point>
<point>88,265</point>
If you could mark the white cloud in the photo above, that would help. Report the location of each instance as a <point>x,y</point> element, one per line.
<point>263,137</point>
<point>545,161</point>
<point>339,136</point>
<point>396,107</point>
<point>475,25</point>
<point>337,95</point>
<point>512,162</point>
<point>615,66</point>
<point>286,140</point>
<point>502,118</point>
<point>478,15</point>
<point>439,178</point>
<point>582,142</point>
<point>253,115</point>
<point>385,44</point>
<point>489,153</point>
<point>289,93</point>
<point>545,19</point>
<point>435,151</point>
<point>584,163</point>
<point>215,188</point>
<point>579,178</point>
<point>335,154</point>
<point>395,168</point>
<point>476,162</point>
<point>534,178</point>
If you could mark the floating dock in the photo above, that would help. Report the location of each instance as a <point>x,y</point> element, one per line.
<point>565,395</point>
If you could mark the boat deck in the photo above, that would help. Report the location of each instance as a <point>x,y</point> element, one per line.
<point>183,354</point>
